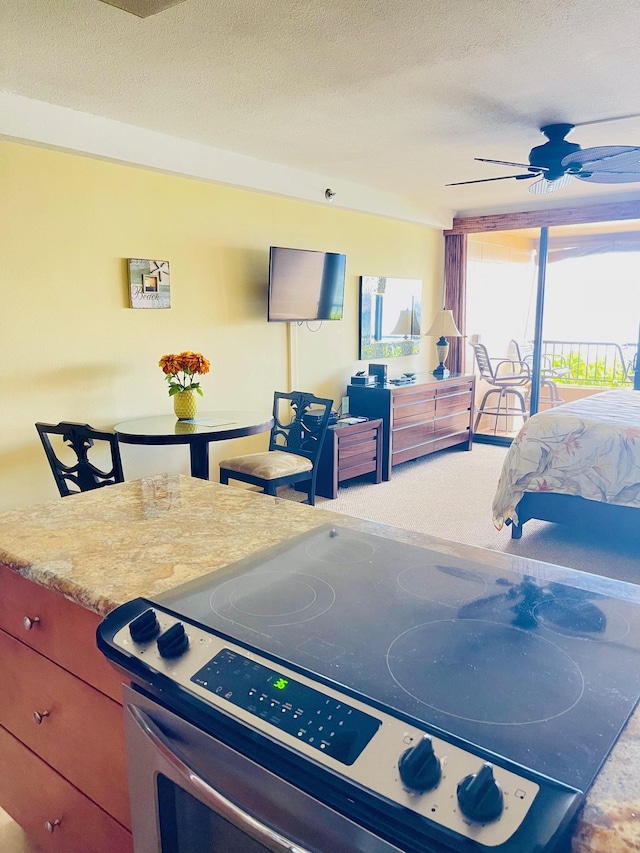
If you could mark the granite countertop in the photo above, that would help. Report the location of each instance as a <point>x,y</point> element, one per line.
<point>145,537</point>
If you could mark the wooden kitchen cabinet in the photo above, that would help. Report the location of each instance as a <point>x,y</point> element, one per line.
<point>61,630</point>
<point>54,814</point>
<point>418,418</point>
<point>61,729</point>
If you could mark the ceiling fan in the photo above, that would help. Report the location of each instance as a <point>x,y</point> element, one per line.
<point>557,163</point>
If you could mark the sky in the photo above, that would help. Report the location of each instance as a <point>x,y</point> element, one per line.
<point>592,298</point>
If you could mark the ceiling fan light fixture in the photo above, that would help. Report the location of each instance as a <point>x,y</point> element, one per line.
<point>545,186</point>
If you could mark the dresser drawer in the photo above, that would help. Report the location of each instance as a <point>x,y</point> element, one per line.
<point>414,412</point>
<point>460,402</point>
<point>412,436</point>
<point>356,458</point>
<point>81,734</point>
<point>450,424</point>
<point>60,629</point>
<point>34,795</point>
<point>347,441</point>
<point>465,383</point>
<point>409,394</point>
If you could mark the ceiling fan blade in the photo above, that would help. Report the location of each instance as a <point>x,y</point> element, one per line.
<point>501,178</point>
<point>601,154</point>
<point>509,163</point>
<point>607,177</point>
<point>605,120</point>
<point>543,186</point>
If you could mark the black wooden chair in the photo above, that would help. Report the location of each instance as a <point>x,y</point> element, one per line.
<point>299,426</point>
<point>81,475</point>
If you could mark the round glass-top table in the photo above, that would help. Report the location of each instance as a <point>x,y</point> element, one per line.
<point>197,432</point>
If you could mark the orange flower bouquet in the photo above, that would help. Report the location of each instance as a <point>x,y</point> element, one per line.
<point>180,369</point>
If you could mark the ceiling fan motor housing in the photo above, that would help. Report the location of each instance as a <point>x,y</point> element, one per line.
<point>550,155</point>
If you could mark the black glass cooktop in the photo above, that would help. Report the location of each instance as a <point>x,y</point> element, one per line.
<point>538,671</point>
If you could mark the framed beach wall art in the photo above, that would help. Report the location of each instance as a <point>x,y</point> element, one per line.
<point>390,316</point>
<point>149,283</point>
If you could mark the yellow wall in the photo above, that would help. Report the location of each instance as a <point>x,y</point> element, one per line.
<point>72,349</point>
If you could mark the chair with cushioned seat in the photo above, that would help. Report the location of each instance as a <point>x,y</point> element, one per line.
<point>300,423</point>
<point>80,475</point>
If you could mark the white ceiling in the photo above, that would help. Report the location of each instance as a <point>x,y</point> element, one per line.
<point>398,96</point>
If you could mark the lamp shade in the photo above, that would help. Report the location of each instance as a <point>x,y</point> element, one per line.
<point>444,325</point>
<point>406,324</point>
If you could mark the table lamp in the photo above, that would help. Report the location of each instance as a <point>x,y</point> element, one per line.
<point>443,325</point>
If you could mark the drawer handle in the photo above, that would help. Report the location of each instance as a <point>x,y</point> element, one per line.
<point>50,825</point>
<point>29,623</point>
<point>39,716</point>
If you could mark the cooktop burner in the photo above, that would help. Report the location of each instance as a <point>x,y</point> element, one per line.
<point>541,672</point>
<point>465,668</point>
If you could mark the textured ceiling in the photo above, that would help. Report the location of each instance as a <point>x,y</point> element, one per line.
<point>399,95</point>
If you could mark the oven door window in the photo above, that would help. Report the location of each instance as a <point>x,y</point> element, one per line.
<point>188,826</point>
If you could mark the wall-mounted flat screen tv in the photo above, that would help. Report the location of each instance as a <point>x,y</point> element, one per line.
<point>305,285</point>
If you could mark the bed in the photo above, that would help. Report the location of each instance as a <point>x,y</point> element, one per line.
<point>578,463</point>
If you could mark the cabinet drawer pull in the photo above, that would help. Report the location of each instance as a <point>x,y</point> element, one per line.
<point>29,623</point>
<point>39,716</point>
<point>50,825</point>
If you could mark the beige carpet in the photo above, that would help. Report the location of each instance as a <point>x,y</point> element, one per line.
<point>449,494</point>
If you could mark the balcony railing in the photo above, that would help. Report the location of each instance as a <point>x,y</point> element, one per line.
<point>592,363</point>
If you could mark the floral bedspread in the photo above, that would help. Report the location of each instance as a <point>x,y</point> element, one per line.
<point>589,448</point>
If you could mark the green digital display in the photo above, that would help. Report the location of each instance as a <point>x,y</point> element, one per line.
<point>280,683</point>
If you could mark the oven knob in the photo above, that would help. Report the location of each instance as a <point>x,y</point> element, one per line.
<point>174,641</point>
<point>144,627</point>
<point>419,766</point>
<point>479,796</point>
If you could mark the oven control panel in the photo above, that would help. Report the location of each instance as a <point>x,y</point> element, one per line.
<point>453,787</point>
<point>332,726</point>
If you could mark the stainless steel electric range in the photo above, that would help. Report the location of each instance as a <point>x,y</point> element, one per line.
<point>346,692</point>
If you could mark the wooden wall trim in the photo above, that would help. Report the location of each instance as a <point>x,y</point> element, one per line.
<point>455,289</point>
<point>542,218</point>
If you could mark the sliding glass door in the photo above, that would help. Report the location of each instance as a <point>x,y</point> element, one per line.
<point>592,306</point>
<point>556,313</point>
<point>501,290</point>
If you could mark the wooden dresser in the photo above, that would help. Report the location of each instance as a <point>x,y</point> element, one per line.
<point>418,418</point>
<point>62,753</point>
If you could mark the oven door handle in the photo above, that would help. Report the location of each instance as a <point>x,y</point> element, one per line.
<point>209,796</point>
